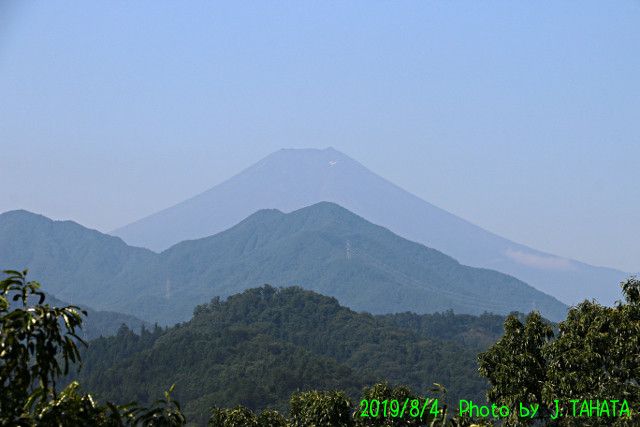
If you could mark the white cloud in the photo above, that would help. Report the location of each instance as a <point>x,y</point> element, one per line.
<point>537,261</point>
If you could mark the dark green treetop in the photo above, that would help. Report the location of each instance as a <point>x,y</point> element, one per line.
<point>594,357</point>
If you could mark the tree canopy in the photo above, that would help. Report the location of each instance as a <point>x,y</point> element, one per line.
<point>34,341</point>
<point>585,373</point>
<point>581,372</point>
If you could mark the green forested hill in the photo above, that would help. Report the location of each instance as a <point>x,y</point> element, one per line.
<point>475,332</point>
<point>237,366</point>
<point>99,323</point>
<point>76,264</point>
<point>324,248</point>
<point>258,347</point>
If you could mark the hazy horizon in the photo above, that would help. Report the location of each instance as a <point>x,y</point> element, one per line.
<point>520,118</point>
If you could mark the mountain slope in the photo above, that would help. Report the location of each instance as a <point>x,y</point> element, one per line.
<point>100,323</point>
<point>72,260</point>
<point>324,248</point>
<point>384,273</point>
<point>258,347</point>
<point>292,179</point>
<point>475,332</point>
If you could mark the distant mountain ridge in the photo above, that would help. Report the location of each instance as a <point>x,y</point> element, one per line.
<point>100,323</point>
<point>289,179</point>
<point>324,248</point>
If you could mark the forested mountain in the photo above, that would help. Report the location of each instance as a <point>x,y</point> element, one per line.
<point>99,323</point>
<point>257,347</point>
<point>324,248</point>
<point>76,263</point>
<point>291,179</point>
<point>474,332</point>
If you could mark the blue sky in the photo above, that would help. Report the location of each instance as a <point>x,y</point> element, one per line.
<point>521,117</point>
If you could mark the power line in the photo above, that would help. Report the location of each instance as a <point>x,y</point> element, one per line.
<point>403,279</point>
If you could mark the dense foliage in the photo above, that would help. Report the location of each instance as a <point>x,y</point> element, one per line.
<point>575,376</point>
<point>30,340</point>
<point>34,341</point>
<point>379,406</point>
<point>474,332</point>
<point>258,347</point>
<point>583,373</point>
<point>227,368</point>
<point>358,340</point>
<point>33,338</point>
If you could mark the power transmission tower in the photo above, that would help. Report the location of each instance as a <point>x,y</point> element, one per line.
<point>348,249</point>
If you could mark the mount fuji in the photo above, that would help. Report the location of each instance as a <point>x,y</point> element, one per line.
<point>290,179</point>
